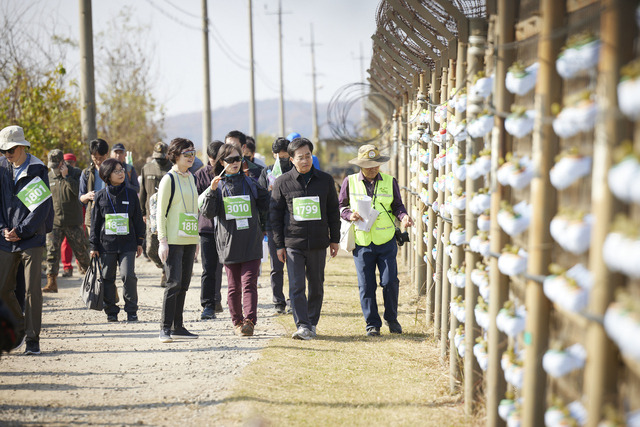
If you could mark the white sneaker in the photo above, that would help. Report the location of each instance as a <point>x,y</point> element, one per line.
<point>303,333</point>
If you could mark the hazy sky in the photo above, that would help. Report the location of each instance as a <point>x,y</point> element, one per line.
<point>341,28</point>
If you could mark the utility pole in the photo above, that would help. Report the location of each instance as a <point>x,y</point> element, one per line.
<point>363,91</point>
<point>252,101</point>
<point>206,111</point>
<point>280,13</point>
<point>87,84</point>
<point>314,111</point>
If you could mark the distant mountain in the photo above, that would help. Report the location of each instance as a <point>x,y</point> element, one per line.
<point>297,119</point>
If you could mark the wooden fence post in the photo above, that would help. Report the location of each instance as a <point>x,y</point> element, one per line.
<point>475,62</point>
<point>420,226</point>
<point>502,144</point>
<point>458,219</point>
<point>444,228</point>
<point>431,241</point>
<point>404,164</point>
<point>617,36</point>
<point>544,200</point>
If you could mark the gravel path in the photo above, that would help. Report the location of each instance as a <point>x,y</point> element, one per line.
<point>94,372</point>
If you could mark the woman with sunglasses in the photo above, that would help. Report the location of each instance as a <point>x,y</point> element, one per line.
<point>240,205</point>
<point>177,219</point>
<point>117,233</point>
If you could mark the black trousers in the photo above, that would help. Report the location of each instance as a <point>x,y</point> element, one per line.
<point>178,267</point>
<point>211,280</point>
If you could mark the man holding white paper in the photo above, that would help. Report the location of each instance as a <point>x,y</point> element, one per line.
<point>26,216</point>
<point>372,201</point>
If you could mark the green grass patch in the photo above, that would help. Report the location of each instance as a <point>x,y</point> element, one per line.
<point>343,377</point>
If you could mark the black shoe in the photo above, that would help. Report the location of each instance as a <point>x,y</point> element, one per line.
<point>208,313</point>
<point>394,327</point>
<point>68,272</point>
<point>219,307</point>
<point>33,347</point>
<point>112,317</point>
<point>132,317</point>
<point>182,333</point>
<point>281,308</point>
<point>373,331</point>
<point>165,335</point>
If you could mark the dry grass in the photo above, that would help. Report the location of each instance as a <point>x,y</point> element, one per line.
<point>344,377</point>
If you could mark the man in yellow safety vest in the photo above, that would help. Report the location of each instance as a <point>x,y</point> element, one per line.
<point>372,201</point>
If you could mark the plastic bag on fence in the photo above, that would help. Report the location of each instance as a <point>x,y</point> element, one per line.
<point>92,290</point>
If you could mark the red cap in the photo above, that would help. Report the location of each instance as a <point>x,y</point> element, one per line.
<point>70,157</point>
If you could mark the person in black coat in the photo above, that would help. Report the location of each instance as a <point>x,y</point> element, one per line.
<point>305,220</point>
<point>117,234</point>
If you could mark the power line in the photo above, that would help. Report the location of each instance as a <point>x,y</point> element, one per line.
<point>182,10</point>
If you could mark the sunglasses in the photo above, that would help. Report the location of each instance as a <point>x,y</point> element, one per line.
<point>10,150</point>
<point>190,153</point>
<point>232,159</point>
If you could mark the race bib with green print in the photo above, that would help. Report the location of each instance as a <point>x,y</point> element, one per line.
<point>34,194</point>
<point>116,224</point>
<point>188,226</point>
<point>237,207</point>
<point>306,208</point>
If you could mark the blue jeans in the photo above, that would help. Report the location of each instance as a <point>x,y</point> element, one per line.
<point>127,263</point>
<point>366,259</point>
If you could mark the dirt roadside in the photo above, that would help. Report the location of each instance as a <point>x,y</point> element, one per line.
<point>94,372</point>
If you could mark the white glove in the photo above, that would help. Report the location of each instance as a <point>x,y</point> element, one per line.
<point>163,250</point>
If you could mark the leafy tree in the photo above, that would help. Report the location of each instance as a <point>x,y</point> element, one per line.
<point>34,90</point>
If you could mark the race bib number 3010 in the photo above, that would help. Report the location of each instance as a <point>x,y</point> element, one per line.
<point>306,208</point>
<point>237,207</point>
<point>34,194</point>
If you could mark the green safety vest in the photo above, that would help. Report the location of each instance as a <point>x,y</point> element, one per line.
<point>384,228</point>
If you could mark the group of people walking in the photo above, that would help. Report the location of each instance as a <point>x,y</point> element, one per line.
<point>227,207</point>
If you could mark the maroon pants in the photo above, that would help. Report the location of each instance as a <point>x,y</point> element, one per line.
<point>242,293</point>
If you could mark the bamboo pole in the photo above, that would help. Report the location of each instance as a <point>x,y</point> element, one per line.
<point>458,219</point>
<point>617,36</point>
<point>413,244</point>
<point>441,275</point>
<point>404,164</point>
<point>420,226</point>
<point>501,145</point>
<point>475,62</point>
<point>433,176</point>
<point>544,200</point>
<point>446,260</point>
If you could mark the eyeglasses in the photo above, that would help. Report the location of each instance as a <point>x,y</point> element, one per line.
<point>189,153</point>
<point>118,171</point>
<point>10,150</point>
<point>232,159</point>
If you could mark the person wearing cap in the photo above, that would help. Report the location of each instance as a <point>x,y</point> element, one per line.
<point>152,174</point>
<point>66,254</point>
<point>67,219</point>
<point>26,216</point>
<point>305,220</point>
<point>376,247</point>
<point>119,153</point>
<point>211,278</point>
<point>267,178</point>
<point>239,139</point>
